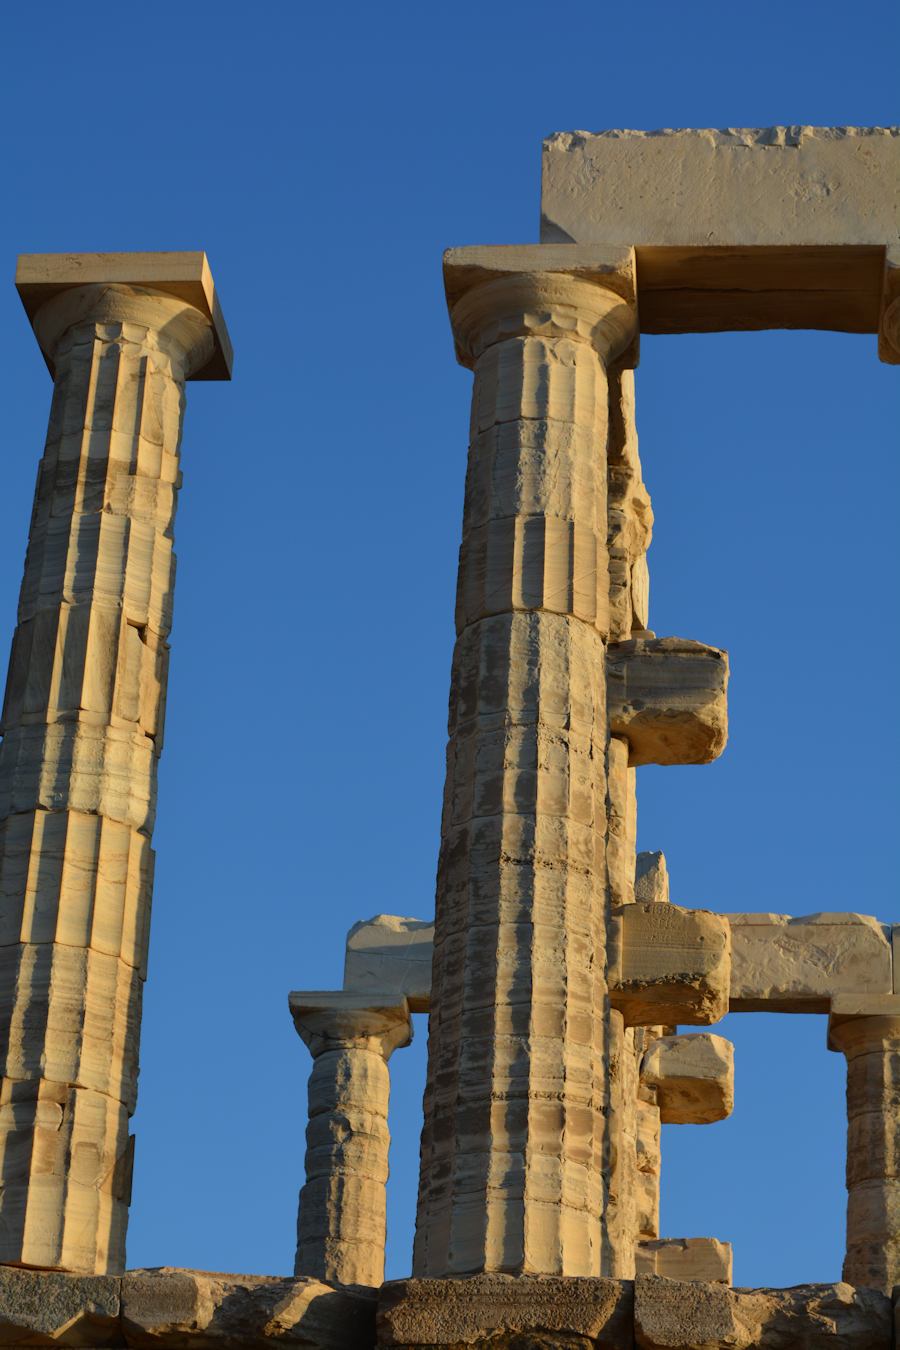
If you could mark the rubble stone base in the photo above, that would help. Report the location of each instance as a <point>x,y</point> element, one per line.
<point>501,1312</point>
<point>182,1309</point>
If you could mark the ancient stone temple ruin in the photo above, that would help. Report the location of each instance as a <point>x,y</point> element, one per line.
<point>555,968</point>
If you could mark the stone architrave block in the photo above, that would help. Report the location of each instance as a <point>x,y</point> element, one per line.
<point>504,1310</point>
<point>186,1308</point>
<point>668,698</point>
<point>692,1077</point>
<point>670,966</point>
<point>51,1308</point>
<point>391,952</point>
<point>694,1260</point>
<point>784,964</point>
<point>721,188</point>
<point>651,878</point>
<point>678,1315</point>
<point>738,228</point>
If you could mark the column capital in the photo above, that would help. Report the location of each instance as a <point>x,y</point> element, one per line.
<point>335,1020</point>
<point>170,292</point>
<point>861,1024</point>
<point>587,293</point>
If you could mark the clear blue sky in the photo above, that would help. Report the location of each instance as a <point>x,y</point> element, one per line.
<point>324,156</point>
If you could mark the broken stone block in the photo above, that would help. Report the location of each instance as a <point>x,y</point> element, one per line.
<point>676,1315</point>
<point>40,1307</point>
<point>503,1310</point>
<point>695,1260</point>
<point>692,1077</point>
<point>668,698</point>
<point>784,964</point>
<point>186,1308</point>
<point>651,878</point>
<point>669,965</point>
<point>390,952</point>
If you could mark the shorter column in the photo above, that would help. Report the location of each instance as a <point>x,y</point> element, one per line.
<point>867,1032</point>
<point>341,1226</point>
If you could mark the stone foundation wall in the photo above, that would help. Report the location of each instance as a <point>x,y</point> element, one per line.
<point>180,1309</point>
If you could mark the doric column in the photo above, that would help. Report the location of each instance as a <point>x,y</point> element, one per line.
<point>515,1138</point>
<point>341,1226</point>
<point>82,731</point>
<point>871,1044</point>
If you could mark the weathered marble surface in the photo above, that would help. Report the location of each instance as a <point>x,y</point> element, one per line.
<point>342,1225</point>
<point>177,1309</point>
<point>82,727</point>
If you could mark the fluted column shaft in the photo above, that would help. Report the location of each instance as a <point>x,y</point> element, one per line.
<point>517,1095</point>
<point>82,732</point>
<point>342,1220</point>
<point>872,1049</point>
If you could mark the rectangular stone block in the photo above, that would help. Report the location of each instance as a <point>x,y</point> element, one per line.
<point>670,965</point>
<point>503,1310</point>
<point>668,699</point>
<point>390,952</point>
<point>693,1260</point>
<point>784,964</point>
<point>691,1077</point>
<point>47,1307</point>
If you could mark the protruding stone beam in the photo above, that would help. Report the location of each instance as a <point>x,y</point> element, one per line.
<point>785,964</point>
<point>668,698</point>
<point>702,1260</point>
<point>341,1225</point>
<point>867,1032</point>
<point>671,965</point>
<point>691,1078</point>
<point>82,732</point>
<point>778,963</point>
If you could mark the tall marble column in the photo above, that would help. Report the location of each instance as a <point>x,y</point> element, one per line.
<point>515,1140</point>
<point>82,733</point>
<point>342,1221</point>
<point>871,1044</point>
